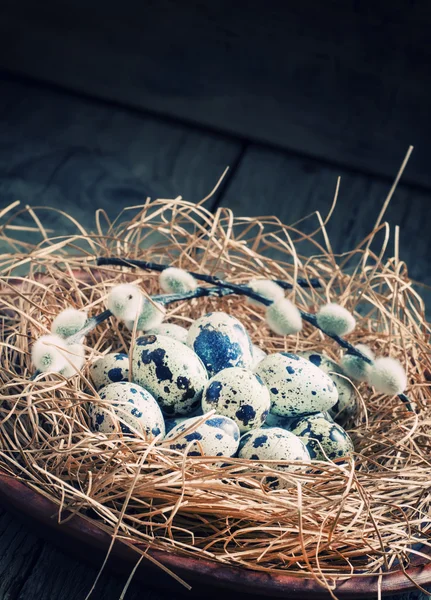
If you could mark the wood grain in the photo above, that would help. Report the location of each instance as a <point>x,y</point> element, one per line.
<point>76,155</point>
<point>19,552</point>
<point>341,81</point>
<point>270,182</point>
<point>57,576</point>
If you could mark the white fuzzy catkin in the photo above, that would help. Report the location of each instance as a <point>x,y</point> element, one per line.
<point>48,354</point>
<point>68,322</point>
<point>266,288</point>
<point>388,376</point>
<point>75,355</point>
<point>177,281</point>
<point>125,301</point>
<point>334,319</point>
<point>283,317</point>
<point>356,368</point>
<point>152,315</point>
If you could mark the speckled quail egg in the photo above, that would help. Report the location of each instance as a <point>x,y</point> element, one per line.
<point>171,330</point>
<point>171,371</point>
<point>347,403</point>
<point>239,394</point>
<point>323,437</point>
<point>217,436</point>
<point>111,368</point>
<point>273,444</point>
<point>258,354</point>
<point>221,341</point>
<point>297,387</point>
<point>130,407</point>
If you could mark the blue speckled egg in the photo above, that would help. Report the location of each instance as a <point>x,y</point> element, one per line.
<point>273,444</point>
<point>171,371</point>
<point>217,436</point>
<point>347,403</point>
<point>171,330</point>
<point>111,368</point>
<point>239,394</point>
<point>133,408</point>
<point>221,341</point>
<point>297,387</point>
<point>323,437</point>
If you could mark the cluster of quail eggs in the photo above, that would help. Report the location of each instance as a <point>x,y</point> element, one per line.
<point>280,407</point>
<point>207,390</point>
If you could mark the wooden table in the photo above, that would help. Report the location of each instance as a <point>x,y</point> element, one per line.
<point>72,152</point>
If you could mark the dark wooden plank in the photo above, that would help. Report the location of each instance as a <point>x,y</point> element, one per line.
<point>341,81</point>
<point>19,552</point>
<point>76,155</point>
<point>270,182</point>
<point>57,576</point>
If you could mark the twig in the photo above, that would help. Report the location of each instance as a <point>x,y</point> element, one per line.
<point>244,291</point>
<point>141,264</point>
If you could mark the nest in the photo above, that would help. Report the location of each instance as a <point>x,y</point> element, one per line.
<point>368,515</point>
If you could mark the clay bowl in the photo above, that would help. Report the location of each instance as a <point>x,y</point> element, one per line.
<point>85,540</point>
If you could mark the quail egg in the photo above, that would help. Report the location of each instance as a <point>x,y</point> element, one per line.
<point>221,341</point>
<point>324,439</point>
<point>127,406</point>
<point>272,444</point>
<point>111,368</point>
<point>297,387</point>
<point>171,330</point>
<point>347,403</point>
<point>170,371</point>
<point>217,436</point>
<point>239,394</point>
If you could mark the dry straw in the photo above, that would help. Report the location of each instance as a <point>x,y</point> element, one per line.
<point>333,520</point>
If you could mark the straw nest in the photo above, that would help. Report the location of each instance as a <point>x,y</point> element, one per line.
<point>366,516</point>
